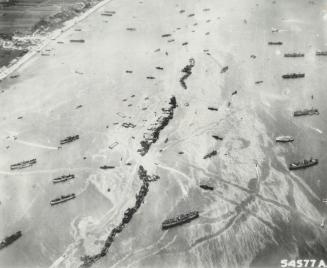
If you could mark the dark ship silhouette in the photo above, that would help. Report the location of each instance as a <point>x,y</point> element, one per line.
<point>10,239</point>
<point>107,167</point>
<point>69,139</point>
<point>293,76</point>
<point>306,112</point>
<point>61,199</point>
<point>23,164</point>
<point>63,178</point>
<point>206,187</point>
<point>303,164</point>
<point>321,53</point>
<point>284,139</point>
<point>275,43</point>
<point>181,219</point>
<point>293,55</point>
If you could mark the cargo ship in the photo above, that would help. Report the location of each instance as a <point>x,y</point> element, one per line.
<point>63,178</point>
<point>275,43</point>
<point>284,139</point>
<point>23,164</point>
<point>61,199</point>
<point>303,164</point>
<point>306,112</point>
<point>179,220</point>
<point>293,55</point>
<point>293,76</point>
<point>10,239</point>
<point>321,53</point>
<point>69,139</point>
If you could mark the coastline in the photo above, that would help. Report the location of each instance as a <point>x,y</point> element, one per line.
<point>236,223</point>
<point>45,39</point>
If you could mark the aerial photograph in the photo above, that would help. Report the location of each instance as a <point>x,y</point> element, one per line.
<point>163,133</point>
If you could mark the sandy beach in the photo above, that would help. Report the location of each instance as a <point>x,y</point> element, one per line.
<point>113,88</point>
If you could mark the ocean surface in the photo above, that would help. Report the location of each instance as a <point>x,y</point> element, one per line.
<point>237,227</point>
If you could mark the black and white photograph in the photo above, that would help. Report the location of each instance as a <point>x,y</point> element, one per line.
<point>163,133</point>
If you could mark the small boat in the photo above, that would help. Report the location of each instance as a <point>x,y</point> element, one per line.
<point>216,137</point>
<point>224,69</point>
<point>77,41</point>
<point>284,139</point>
<point>293,55</point>
<point>321,53</point>
<point>306,112</point>
<point>181,219</point>
<point>113,145</point>
<point>206,187</point>
<point>63,178</point>
<point>61,199</point>
<point>293,76</point>
<point>69,139</point>
<point>10,239</point>
<point>107,167</point>
<point>275,43</point>
<point>303,164</point>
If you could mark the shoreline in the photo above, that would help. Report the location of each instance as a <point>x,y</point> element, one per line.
<point>46,39</point>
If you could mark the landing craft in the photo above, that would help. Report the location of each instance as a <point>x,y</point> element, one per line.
<point>306,112</point>
<point>321,53</point>
<point>206,187</point>
<point>293,76</point>
<point>107,167</point>
<point>275,43</point>
<point>77,41</point>
<point>284,139</point>
<point>294,55</point>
